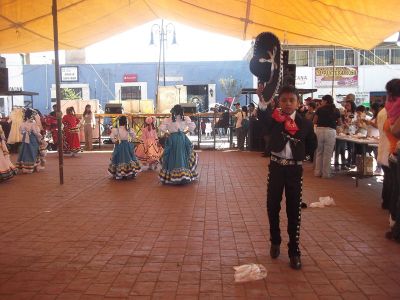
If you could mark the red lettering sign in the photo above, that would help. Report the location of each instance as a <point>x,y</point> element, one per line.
<point>130,78</point>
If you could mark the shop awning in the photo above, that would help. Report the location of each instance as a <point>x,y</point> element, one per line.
<point>26,25</point>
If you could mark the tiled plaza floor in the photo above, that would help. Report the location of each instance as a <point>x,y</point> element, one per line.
<point>94,237</point>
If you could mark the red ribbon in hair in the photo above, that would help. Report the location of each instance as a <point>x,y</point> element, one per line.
<point>290,124</point>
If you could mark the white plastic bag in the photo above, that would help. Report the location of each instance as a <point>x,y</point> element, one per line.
<point>327,201</point>
<point>316,204</point>
<point>250,272</point>
<point>323,201</point>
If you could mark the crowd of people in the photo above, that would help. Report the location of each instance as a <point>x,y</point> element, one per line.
<point>176,160</point>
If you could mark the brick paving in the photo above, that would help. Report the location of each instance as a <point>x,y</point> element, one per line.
<point>96,238</point>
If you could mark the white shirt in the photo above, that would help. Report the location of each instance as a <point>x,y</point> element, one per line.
<point>287,151</point>
<point>178,125</point>
<point>384,145</point>
<point>208,128</point>
<point>121,134</point>
<point>30,127</point>
<point>239,119</point>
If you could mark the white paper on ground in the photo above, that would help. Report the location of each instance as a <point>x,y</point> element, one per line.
<point>317,204</point>
<point>327,201</point>
<point>323,201</point>
<point>249,272</point>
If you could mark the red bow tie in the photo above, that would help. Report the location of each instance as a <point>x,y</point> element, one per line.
<point>290,124</point>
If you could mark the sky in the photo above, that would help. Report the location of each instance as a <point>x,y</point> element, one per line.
<point>134,46</point>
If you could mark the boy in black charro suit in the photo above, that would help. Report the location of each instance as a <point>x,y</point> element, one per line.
<point>289,133</point>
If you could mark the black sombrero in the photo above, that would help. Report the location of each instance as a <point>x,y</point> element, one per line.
<point>266,63</point>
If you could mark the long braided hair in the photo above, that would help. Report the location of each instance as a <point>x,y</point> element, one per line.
<point>177,110</point>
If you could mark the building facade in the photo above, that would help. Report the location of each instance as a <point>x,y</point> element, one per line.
<point>104,81</point>
<point>360,72</point>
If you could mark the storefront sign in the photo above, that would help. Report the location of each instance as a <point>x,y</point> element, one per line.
<point>130,78</point>
<point>304,77</point>
<point>362,98</point>
<point>344,76</point>
<point>69,74</point>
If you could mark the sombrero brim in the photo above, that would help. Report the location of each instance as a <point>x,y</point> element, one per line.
<point>266,63</point>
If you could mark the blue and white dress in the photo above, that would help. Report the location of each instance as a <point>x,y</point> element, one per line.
<point>30,157</point>
<point>123,164</point>
<point>179,161</point>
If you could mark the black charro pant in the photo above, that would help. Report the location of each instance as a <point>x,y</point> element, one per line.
<point>290,179</point>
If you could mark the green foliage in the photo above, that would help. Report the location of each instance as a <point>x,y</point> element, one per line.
<point>231,87</point>
<point>70,94</point>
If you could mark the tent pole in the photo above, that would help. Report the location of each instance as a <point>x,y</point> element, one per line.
<point>334,63</point>
<point>57,74</point>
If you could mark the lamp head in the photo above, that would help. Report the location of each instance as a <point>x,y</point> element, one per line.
<point>174,38</point>
<point>151,38</point>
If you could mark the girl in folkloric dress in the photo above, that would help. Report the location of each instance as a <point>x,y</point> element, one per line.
<point>124,164</point>
<point>71,132</point>
<point>7,169</point>
<point>16,119</point>
<point>89,122</point>
<point>29,158</point>
<point>149,150</point>
<point>179,161</point>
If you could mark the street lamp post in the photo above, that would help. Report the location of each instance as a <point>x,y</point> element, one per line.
<point>163,31</point>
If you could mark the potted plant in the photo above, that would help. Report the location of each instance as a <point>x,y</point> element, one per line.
<point>232,89</point>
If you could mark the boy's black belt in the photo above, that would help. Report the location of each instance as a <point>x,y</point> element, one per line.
<point>285,162</point>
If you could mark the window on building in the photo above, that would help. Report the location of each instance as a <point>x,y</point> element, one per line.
<point>366,57</point>
<point>382,56</point>
<point>339,57</point>
<point>349,58</point>
<point>324,57</point>
<point>395,56</point>
<point>131,92</point>
<point>2,106</point>
<point>302,58</point>
<point>292,56</point>
<point>320,57</point>
<point>328,58</point>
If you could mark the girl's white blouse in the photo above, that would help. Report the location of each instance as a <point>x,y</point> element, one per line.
<point>178,125</point>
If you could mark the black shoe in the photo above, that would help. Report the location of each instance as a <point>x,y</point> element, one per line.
<point>295,262</point>
<point>275,251</point>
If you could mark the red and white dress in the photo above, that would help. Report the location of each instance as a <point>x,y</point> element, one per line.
<point>71,134</point>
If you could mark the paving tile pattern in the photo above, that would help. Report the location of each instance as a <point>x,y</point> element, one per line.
<point>95,238</point>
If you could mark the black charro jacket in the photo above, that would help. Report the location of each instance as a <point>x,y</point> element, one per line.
<point>303,139</point>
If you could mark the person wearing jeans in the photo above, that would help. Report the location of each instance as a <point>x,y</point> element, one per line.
<point>327,117</point>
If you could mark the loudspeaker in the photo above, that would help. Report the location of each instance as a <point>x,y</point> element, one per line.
<point>113,108</point>
<point>189,108</point>
<point>289,75</point>
<point>3,80</point>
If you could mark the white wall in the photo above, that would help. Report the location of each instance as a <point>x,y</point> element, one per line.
<point>374,78</point>
<point>15,79</point>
